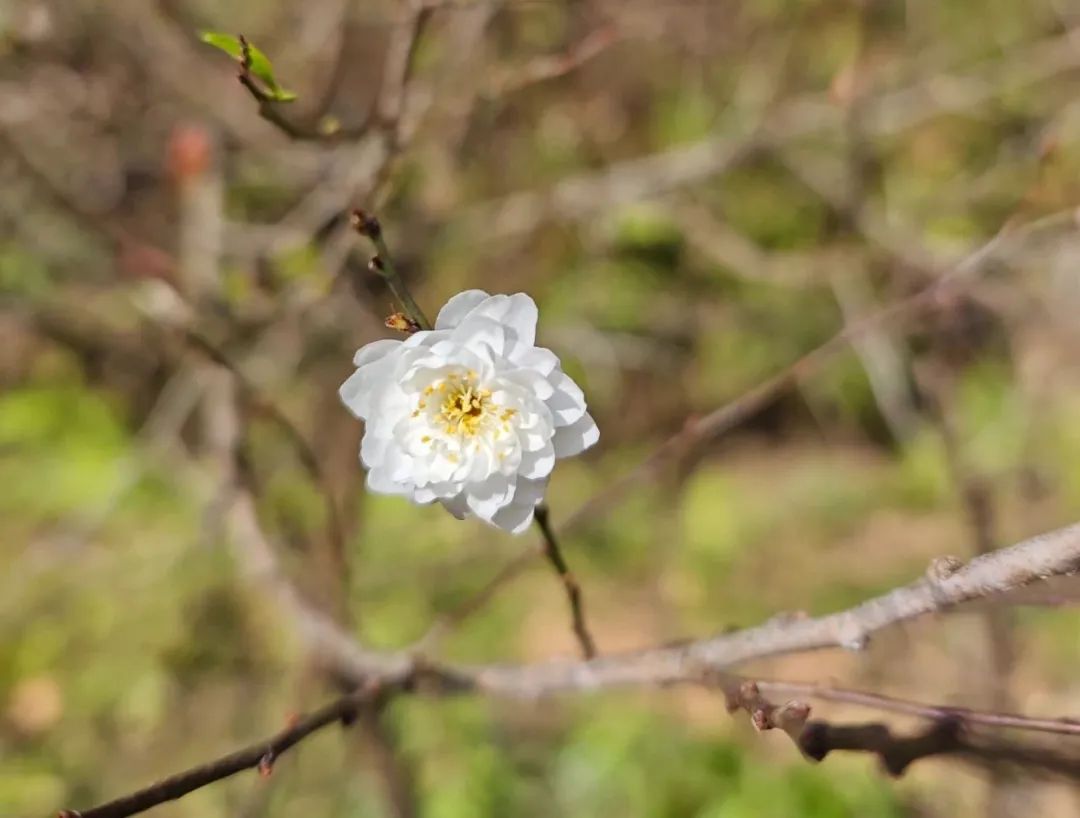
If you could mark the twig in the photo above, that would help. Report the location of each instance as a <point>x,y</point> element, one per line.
<point>1051,554</point>
<point>897,753</point>
<point>261,756</point>
<point>268,408</point>
<point>398,776</point>
<point>698,431</point>
<point>272,110</point>
<point>945,586</point>
<point>890,704</point>
<point>549,67</point>
<point>383,264</point>
<point>553,554</point>
<point>427,643</point>
<point>949,735</point>
<point>576,198</point>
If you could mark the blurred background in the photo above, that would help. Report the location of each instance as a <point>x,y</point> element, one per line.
<point>696,194</point>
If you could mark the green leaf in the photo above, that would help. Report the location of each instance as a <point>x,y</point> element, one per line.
<point>260,67</point>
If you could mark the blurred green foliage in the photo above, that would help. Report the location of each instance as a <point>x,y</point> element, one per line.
<point>129,646</point>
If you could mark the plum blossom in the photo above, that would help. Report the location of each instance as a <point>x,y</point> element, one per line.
<point>470,414</point>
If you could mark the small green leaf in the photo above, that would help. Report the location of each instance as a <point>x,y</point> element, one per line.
<point>260,67</point>
<point>226,42</point>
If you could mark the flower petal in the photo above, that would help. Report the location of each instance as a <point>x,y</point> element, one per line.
<point>567,404</point>
<point>380,482</point>
<point>577,437</point>
<point>376,363</point>
<point>518,514</point>
<point>456,505</point>
<point>538,464</point>
<point>517,311</point>
<point>537,359</point>
<point>369,353</point>
<point>458,307</point>
<point>484,499</point>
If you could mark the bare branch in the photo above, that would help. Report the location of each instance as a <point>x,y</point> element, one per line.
<point>261,756</point>
<point>897,753</point>
<point>703,661</point>
<point>949,735</point>
<point>579,197</point>
<point>553,554</point>
<point>936,712</point>
<point>698,431</point>
<point>382,263</point>
<point>549,67</point>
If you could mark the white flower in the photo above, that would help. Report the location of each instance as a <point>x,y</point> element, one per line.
<point>471,414</point>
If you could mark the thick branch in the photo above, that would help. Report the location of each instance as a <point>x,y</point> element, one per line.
<point>897,753</point>
<point>1052,554</point>
<point>1003,570</point>
<point>947,584</point>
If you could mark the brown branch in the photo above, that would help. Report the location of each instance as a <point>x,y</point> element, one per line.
<point>261,756</point>
<point>576,198</point>
<point>383,265</point>
<point>553,66</point>
<point>949,735</point>
<point>936,712</point>
<point>427,643</point>
<point>553,554</point>
<point>1003,570</point>
<point>948,584</point>
<point>273,110</point>
<point>271,411</point>
<point>1051,554</point>
<point>398,776</point>
<point>897,753</point>
<point>698,431</point>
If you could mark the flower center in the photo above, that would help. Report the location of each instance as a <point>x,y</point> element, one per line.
<point>463,407</point>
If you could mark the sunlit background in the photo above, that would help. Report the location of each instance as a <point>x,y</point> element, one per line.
<point>696,194</point>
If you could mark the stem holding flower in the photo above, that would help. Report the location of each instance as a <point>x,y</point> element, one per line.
<point>382,263</point>
<point>553,554</point>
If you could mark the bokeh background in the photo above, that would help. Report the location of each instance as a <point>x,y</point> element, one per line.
<point>696,193</point>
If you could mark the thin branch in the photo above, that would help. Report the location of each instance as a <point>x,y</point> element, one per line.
<point>947,736</point>
<point>704,661</point>
<point>383,264</point>
<point>273,110</point>
<point>698,431</point>
<point>427,643</point>
<point>897,753</point>
<point>937,712</point>
<point>579,197</point>
<point>269,409</point>
<point>551,66</point>
<point>553,554</point>
<point>815,739</point>
<point>261,756</point>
